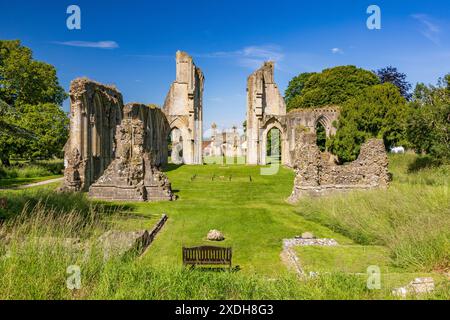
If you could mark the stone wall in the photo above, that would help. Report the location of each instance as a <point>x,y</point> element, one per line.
<point>183,108</point>
<point>264,103</point>
<point>156,129</point>
<point>95,111</point>
<point>266,110</point>
<point>316,174</point>
<point>134,174</point>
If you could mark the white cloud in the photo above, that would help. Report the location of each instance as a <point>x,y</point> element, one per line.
<point>337,51</point>
<point>430,28</point>
<point>250,56</point>
<point>90,44</point>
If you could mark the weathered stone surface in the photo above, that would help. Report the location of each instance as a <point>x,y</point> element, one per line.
<point>134,174</point>
<point>316,175</point>
<point>95,111</point>
<point>266,110</point>
<point>215,235</point>
<point>184,110</point>
<point>113,151</point>
<point>117,243</point>
<point>309,242</point>
<point>416,287</point>
<point>228,143</point>
<point>307,235</point>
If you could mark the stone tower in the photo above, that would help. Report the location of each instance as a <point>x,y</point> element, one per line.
<point>265,109</point>
<point>184,107</point>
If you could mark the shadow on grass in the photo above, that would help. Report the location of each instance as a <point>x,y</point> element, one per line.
<point>171,167</point>
<point>423,162</point>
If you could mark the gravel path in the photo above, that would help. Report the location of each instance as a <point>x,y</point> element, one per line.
<point>36,184</point>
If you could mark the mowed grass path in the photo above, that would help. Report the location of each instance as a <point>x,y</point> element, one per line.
<point>252,214</point>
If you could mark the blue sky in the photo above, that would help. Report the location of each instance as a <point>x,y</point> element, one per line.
<point>132,44</point>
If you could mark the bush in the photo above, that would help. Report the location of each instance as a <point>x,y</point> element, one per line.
<point>32,170</point>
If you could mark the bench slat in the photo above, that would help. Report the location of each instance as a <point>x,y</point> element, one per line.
<point>205,255</point>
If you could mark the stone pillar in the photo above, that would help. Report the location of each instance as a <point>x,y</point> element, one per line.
<point>263,101</point>
<point>184,107</point>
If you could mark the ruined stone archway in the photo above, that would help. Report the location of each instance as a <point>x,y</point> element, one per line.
<point>273,124</point>
<point>183,107</point>
<point>322,119</point>
<point>265,105</point>
<point>176,150</point>
<point>322,129</point>
<point>185,146</point>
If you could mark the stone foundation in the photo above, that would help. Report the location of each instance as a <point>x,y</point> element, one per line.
<point>317,175</point>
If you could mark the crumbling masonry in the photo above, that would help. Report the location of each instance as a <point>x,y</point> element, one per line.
<point>134,174</point>
<point>115,152</point>
<point>266,110</point>
<point>317,174</point>
<point>95,112</point>
<point>183,108</point>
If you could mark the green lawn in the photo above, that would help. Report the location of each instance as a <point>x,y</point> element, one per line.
<point>249,208</point>
<point>16,182</point>
<point>395,229</point>
<point>348,259</point>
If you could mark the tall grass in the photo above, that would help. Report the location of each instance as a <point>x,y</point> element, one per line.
<point>37,251</point>
<point>37,247</point>
<point>412,218</point>
<point>32,169</point>
<point>24,201</point>
<point>55,230</point>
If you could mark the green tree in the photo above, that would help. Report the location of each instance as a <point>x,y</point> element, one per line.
<point>10,132</point>
<point>333,87</point>
<point>379,111</point>
<point>24,80</point>
<point>50,125</point>
<point>392,75</point>
<point>295,88</point>
<point>428,126</point>
<point>273,146</point>
<point>32,122</point>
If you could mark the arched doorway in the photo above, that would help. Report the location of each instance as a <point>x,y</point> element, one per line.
<point>273,146</point>
<point>175,146</point>
<point>321,134</point>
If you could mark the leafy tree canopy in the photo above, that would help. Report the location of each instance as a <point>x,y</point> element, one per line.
<point>32,122</point>
<point>24,80</point>
<point>379,111</point>
<point>392,75</point>
<point>428,127</point>
<point>295,88</point>
<point>330,87</point>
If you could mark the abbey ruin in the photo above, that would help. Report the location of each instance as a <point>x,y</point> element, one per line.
<point>184,111</point>
<point>317,174</point>
<point>116,152</point>
<point>266,110</point>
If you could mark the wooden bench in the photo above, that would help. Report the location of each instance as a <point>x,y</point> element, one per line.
<point>207,255</point>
